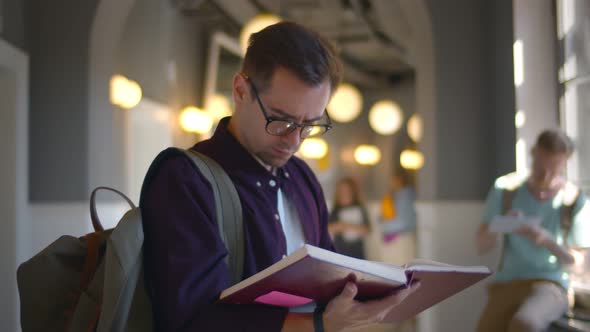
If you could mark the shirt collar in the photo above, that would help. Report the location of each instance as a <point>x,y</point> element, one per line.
<point>233,156</point>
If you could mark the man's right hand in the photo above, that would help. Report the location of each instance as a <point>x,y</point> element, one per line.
<point>344,313</point>
<point>485,240</point>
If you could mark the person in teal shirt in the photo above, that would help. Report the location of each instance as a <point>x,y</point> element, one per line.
<point>529,290</point>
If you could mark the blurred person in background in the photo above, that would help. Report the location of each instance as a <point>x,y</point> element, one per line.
<point>398,210</point>
<point>349,220</point>
<point>529,290</point>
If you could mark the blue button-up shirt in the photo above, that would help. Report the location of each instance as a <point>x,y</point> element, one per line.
<point>184,253</point>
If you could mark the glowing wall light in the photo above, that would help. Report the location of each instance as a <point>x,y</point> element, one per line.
<point>365,154</point>
<point>218,106</point>
<point>519,119</point>
<point>346,103</point>
<point>385,117</point>
<point>411,159</point>
<point>256,24</point>
<point>415,127</point>
<point>124,92</point>
<point>118,87</point>
<point>195,120</point>
<point>314,148</point>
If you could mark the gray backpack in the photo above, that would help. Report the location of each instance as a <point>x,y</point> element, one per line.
<point>96,283</point>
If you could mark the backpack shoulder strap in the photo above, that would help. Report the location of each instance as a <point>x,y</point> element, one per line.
<point>507,197</point>
<point>122,271</point>
<point>509,184</point>
<point>566,213</point>
<point>228,209</point>
<point>508,193</point>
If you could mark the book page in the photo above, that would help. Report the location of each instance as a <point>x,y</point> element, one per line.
<point>421,264</point>
<point>509,224</point>
<point>425,262</point>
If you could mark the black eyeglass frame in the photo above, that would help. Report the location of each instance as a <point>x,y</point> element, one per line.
<point>292,126</point>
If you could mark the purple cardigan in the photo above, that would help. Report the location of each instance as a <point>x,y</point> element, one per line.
<point>184,254</point>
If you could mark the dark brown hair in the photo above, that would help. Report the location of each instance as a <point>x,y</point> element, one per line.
<point>289,45</point>
<point>354,188</point>
<point>555,141</point>
<point>405,177</point>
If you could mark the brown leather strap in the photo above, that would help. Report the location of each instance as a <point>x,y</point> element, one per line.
<point>90,265</point>
<point>507,197</point>
<point>91,261</point>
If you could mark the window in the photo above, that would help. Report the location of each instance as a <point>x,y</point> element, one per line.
<point>573,33</point>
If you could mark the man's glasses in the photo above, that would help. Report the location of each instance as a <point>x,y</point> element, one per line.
<point>283,127</point>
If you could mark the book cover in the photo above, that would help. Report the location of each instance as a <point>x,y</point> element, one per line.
<point>312,274</point>
<point>436,285</point>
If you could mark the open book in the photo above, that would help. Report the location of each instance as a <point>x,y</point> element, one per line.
<point>312,274</point>
<point>509,224</point>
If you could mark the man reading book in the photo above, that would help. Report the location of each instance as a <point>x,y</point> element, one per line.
<point>280,95</point>
<point>529,290</point>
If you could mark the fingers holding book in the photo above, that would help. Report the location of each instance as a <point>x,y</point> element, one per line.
<point>344,312</point>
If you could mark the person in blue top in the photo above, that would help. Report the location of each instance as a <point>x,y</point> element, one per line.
<point>287,77</point>
<point>398,207</point>
<point>529,290</point>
